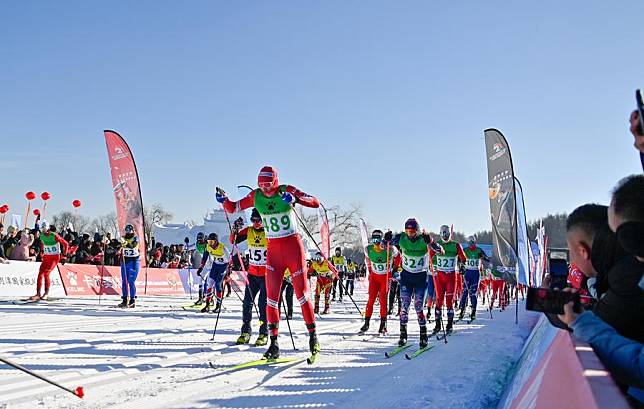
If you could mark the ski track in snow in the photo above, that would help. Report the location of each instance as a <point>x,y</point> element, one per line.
<point>156,356</point>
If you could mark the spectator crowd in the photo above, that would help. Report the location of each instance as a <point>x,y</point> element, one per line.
<point>606,245</point>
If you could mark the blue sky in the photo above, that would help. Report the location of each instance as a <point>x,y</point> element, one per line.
<point>379,103</point>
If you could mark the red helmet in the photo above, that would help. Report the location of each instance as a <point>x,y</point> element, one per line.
<point>267,179</point>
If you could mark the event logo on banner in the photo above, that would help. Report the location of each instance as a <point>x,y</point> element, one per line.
<point>501,190</point>
<point>127,190</point>
<point>18,279</point>
<point>82,279</point>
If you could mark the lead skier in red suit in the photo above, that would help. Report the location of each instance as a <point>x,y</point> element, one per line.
<point>285,251</point>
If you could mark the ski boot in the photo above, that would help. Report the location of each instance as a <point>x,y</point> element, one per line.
<point>450,323</point>
<point>45,296</point>
<point>423,337</point>
<point>437,327</point>
<point>365,327</point>
<point>123,303</point>
<point>217,307</point>
<point>327,309</point>
<point>383,326</point>
<point>273,351</point>
<point>390,310</point>
<point>206,307</point>
<point>262,340</point>
<point>461,313</point>
<point>472,315</point>
<point>244,338</point>
<point>314,345</point>
<point>132,303</point>
<point>316,309</point>
<point>35,297</point>
<point>403,335</point>
<point>199,300</point>
<point>289,316</point>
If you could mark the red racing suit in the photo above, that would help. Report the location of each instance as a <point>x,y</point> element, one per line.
<point>282,254</point>
<point>51,257</point>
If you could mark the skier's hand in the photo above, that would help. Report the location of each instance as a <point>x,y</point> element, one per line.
<point>220,196</point>
<point>637,131</point>
<point>396,276</point>
<point>388,236</point>
<point>427,238</point>
<point>288,198</point>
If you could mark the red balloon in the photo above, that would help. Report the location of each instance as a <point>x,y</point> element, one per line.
<point>45,196</point>
<point>36,212</point>
<point>30,195</point>
<point>76,203</point>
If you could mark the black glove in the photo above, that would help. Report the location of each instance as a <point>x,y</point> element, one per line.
<point>427,238</point>
<point>389,235</point>
<point>199,270</point>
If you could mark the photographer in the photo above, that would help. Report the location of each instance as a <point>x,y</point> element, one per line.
<point>594,249</point>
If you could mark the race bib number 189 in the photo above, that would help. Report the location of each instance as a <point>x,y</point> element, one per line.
<point>279,225</point>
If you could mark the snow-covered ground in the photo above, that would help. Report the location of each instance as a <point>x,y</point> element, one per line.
<point>156,357</point>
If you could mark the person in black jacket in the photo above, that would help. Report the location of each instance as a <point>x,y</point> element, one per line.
<point>595,250</point>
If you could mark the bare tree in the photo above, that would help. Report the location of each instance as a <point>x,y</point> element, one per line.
<point>64,218</point>
<point>106,223</point>
<point>155,214</point>
<point>343,228</point>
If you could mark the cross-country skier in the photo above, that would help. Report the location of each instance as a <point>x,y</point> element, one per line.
<point>256,238</point>
<point>284,248</point>
<point>200,248</point>
<point>51,256</point>
<point>413,247</point>
<point>473,266</point>
<point>340,265</point>
<point>498,286</point>
<point>379,262</point>
<point>446,277</point>
<point>326,274</point>
<point>287,295</point>
<point>130,265</point>
<point>352,270</point>
<point>217,257</point>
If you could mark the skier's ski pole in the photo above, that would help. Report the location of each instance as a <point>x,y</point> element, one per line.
<point>221,307</point>
<point>288,322</point>
<point>239,257</point>
<point>78,391</point>
<point>320,250</point>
